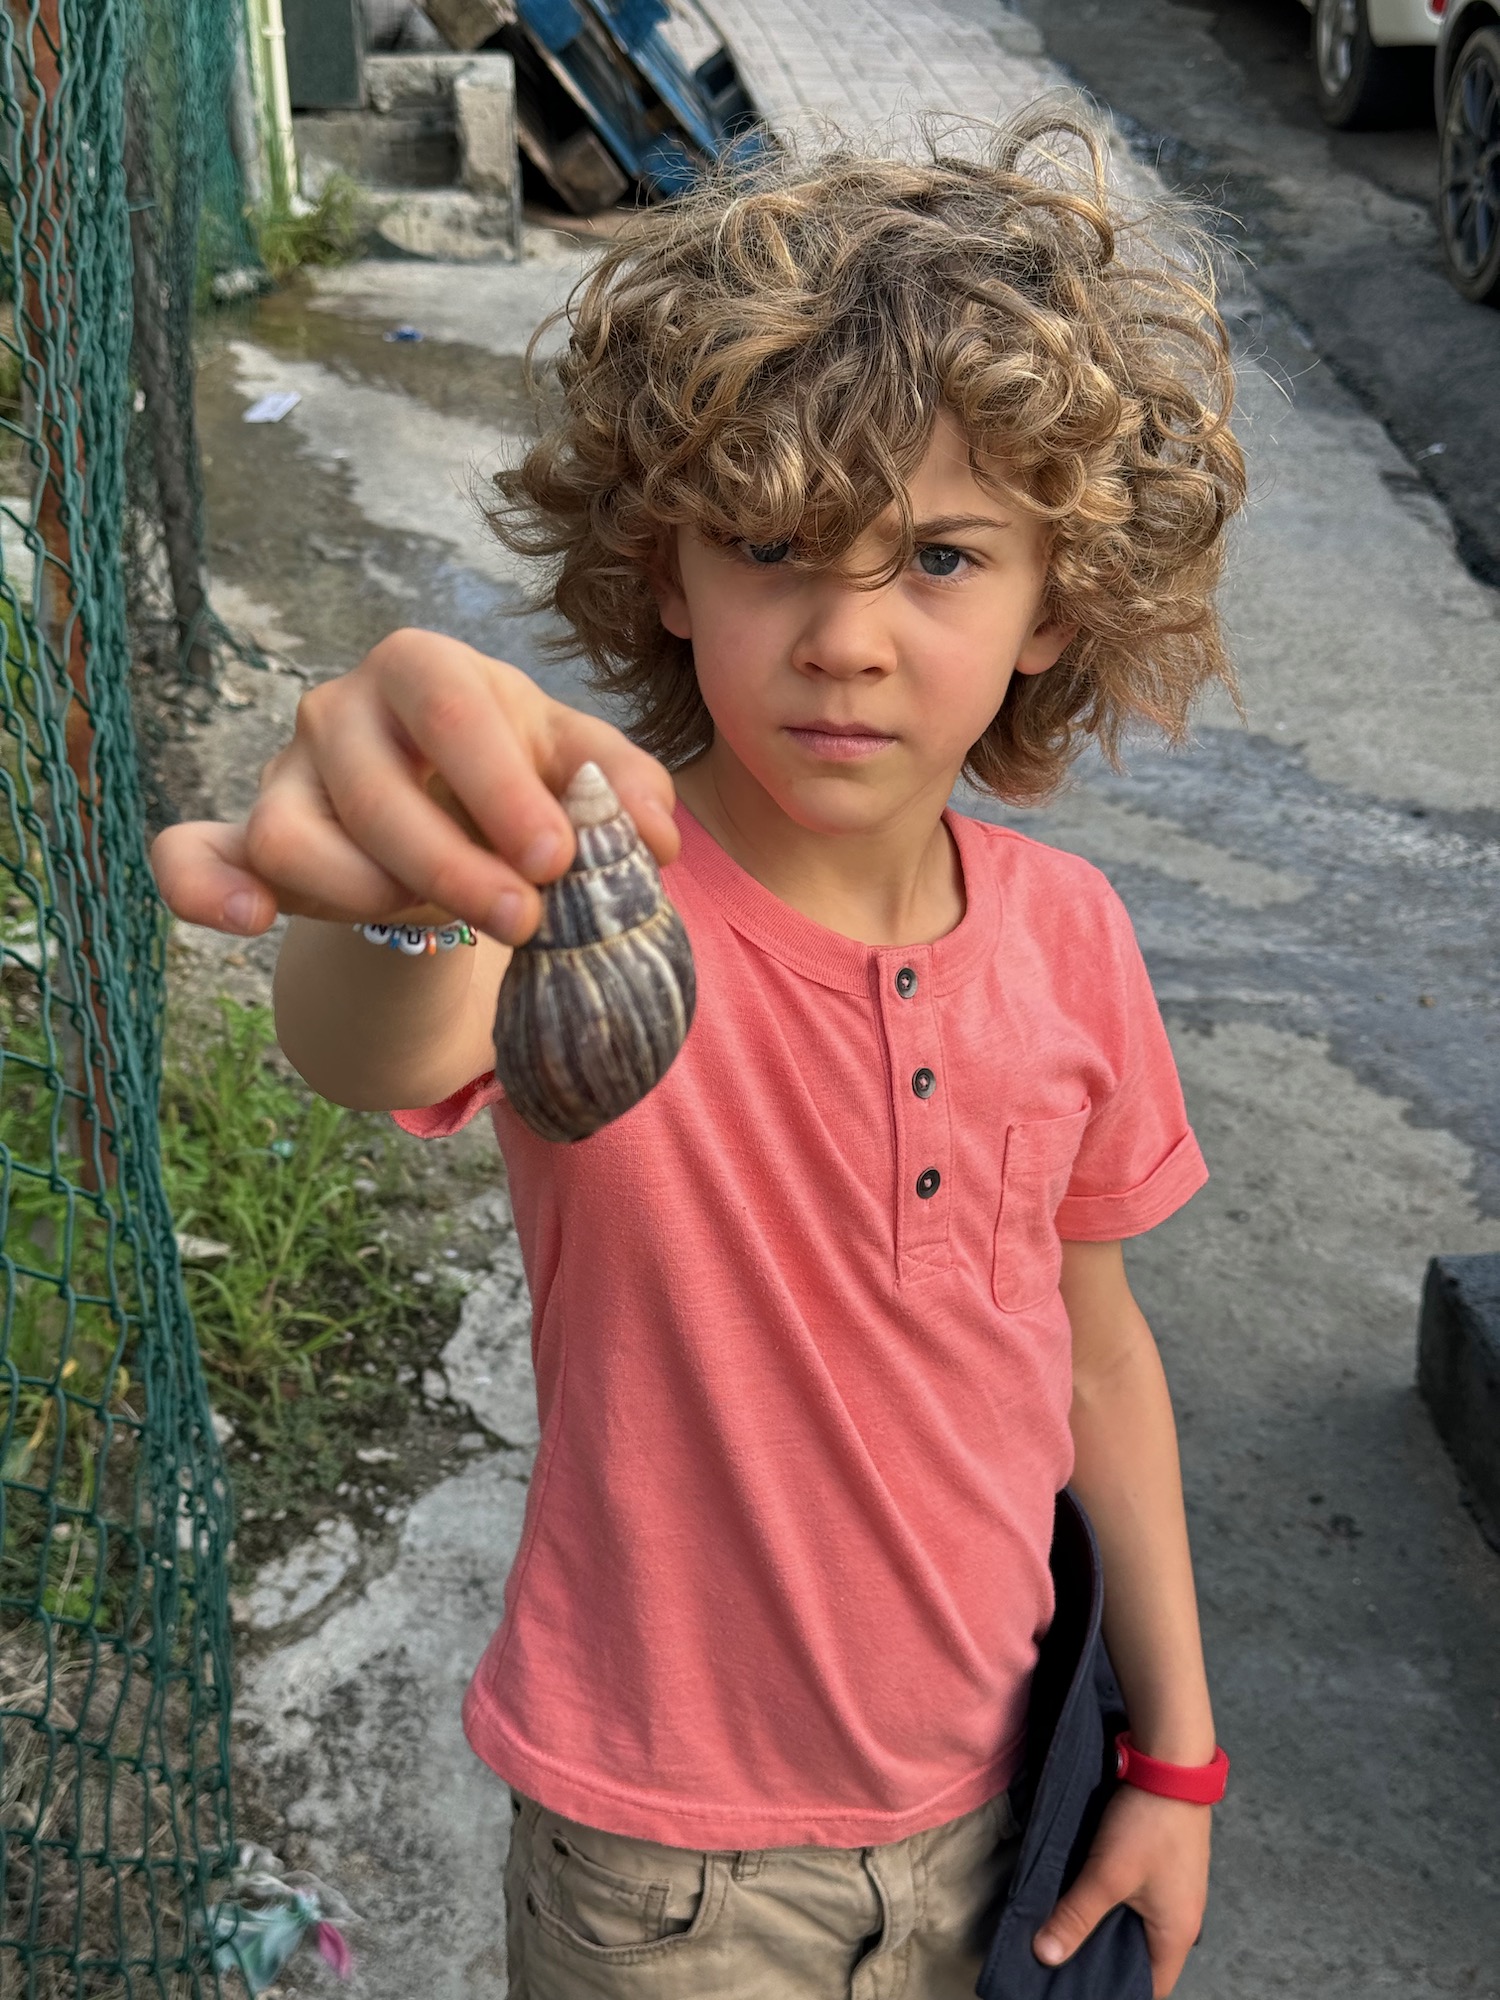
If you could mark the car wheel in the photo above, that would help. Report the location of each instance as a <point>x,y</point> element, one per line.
<point>1469,170</point>
<point>1359,85</point>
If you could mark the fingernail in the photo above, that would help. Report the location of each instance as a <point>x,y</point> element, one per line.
<point>1049,1950</point>
<point>242,910</point>
<point>505,916</point>
<point>543,855</point>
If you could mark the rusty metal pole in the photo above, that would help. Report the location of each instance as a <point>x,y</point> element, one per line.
<point>59,619</point>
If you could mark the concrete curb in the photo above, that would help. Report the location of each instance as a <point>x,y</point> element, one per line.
<point>1458,1372</point>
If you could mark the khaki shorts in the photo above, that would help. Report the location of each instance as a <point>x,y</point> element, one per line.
<point>593,1916</point>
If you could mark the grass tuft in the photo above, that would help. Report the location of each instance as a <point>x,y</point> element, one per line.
<point>305,1324</point>
<point>332,231</point>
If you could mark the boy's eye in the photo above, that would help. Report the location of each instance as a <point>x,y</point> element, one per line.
<point>939,561</point>
<point>767,552</point>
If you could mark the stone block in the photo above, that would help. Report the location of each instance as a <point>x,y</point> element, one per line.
<point>398,82</point>
<point>413,146</point>
<point>1458,1372</point>
<point>484,111</point>
<point>449,225</point>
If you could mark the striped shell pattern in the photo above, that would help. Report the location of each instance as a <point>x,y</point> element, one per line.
<point>594,1007</point>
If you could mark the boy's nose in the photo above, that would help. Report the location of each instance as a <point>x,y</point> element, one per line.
<point>846,632</point>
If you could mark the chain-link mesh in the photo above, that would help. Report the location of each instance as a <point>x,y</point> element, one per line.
<point>114,1518</point>
<point>188,237</point>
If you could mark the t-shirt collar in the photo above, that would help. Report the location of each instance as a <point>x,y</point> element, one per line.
<point>827,956</point>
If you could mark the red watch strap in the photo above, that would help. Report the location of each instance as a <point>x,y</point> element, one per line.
<point>1197,1784</point>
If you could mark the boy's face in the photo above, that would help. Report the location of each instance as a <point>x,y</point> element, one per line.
<point>851,708</point>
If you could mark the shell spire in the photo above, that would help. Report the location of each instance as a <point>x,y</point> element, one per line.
<point>595,1005</point>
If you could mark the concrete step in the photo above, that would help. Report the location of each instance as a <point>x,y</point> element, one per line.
<point>448,225</point>
<point>406,83</point>
<point>410,148</point>
<point>435,150</point>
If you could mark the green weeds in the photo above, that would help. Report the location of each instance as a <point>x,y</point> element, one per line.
<point>302,1296</point>
<point>310,1326</point>
<point>330,232</point>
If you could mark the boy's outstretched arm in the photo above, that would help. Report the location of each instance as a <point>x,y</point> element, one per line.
<point>348,828</point>
<point>1151,1852</point>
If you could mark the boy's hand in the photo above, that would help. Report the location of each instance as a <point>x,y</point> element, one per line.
<point>1151,1853</point>
<point>345,827</point>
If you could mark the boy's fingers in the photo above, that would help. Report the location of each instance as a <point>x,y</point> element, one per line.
<point>389,820</point>
<point>473,721</point>
<point>1087,1903</point>
<point>295,841</point>
<point>345,826</point>
<point>506,751</point>
<point>640,782</point>
<point>1169,1954</point>
<point>204,876</point>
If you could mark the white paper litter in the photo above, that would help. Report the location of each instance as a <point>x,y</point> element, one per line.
<point>271,409</point>
<point>200,1249</point>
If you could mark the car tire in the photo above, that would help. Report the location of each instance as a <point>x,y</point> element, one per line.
<point>1469,170</point>
<point>1361,87</point>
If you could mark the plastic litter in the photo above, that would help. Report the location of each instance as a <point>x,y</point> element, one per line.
<point>405,333</point>
<point>272,408</point>
<point>268,1911</point>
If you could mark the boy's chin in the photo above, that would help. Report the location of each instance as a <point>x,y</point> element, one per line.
<point>847,801</point>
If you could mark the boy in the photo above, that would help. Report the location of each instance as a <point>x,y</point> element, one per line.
<point>863,476</point>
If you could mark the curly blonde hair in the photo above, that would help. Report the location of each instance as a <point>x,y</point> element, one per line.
<point>767,358</point>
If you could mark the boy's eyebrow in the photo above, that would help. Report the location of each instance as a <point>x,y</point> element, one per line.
<point>956,524</point>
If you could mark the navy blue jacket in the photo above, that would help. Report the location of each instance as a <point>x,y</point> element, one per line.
<point>1075,1715</point>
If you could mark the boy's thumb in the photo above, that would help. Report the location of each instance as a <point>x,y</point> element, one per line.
<point>1090,1899</point>
<point>204,878</point>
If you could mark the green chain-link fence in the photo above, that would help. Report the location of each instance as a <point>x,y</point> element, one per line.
<point>117,201</point>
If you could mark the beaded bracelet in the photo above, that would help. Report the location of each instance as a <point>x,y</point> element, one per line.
<point>417,939</point>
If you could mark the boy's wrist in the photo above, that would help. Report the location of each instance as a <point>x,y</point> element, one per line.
<point>1189,1747</point>
<point>1200,1783</point>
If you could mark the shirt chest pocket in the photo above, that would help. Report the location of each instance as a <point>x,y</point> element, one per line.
<point>1039,1155</point>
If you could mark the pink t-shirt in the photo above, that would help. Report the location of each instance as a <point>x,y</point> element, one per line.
<point>802,1366</point>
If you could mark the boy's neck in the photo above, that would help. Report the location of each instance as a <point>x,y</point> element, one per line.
<point>897,883</point>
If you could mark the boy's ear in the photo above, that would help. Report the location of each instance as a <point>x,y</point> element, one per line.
<point>1045,646</point>
<point>666,588</point>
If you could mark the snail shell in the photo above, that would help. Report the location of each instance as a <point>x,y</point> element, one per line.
<point>596,1004</point>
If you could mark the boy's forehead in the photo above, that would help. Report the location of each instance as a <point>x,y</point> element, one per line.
<point>946,481</point>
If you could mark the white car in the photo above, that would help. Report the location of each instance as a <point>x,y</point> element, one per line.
<point>1372,59</point>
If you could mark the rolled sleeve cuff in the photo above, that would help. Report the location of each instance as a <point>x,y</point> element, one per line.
<point>1104,1218</point>
<point>441,1121</point>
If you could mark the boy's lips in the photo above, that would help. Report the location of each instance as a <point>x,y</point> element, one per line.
<point>838,741</point>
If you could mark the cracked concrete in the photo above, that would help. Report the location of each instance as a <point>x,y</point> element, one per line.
<point>1316,897</point>
<point>357,1727</point>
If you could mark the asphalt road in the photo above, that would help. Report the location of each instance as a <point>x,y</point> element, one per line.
<point>1339,228</point>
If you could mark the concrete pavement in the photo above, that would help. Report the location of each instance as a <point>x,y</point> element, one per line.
<point>1316,897</point>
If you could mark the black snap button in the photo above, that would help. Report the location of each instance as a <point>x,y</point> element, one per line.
<point>928,1183</point>
<point>906,982</point>
<point>923,1082</point>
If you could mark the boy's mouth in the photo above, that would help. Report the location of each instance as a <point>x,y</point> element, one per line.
<point>839,741</point>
